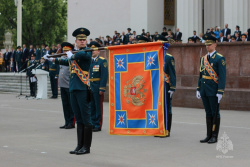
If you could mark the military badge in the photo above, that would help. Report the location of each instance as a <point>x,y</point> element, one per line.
<point>223,62</point>
<point>105,64</point>
<point>172,61</point>
<point>82,30</point>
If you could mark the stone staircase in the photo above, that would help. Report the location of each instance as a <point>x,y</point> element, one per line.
<point>11,83</point>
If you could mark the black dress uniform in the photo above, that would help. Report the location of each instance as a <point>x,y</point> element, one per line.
<point>98,77</point>
<point>53,73</point>
<point>63,82</point>
<point>211,85</point>
<point>32,78</point>
<point>19,58</point>
<point>170,82</point>
<point>79,93</point>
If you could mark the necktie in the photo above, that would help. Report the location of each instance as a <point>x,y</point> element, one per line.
<point>208,57</point>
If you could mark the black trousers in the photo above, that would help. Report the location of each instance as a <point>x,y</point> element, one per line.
<point>67,110</point>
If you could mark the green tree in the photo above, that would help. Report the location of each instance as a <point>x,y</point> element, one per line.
<point>43,21</point>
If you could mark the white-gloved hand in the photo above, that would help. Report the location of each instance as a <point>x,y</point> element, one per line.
<point>198,95</point>
<point>55,77</point>
<point>69,54</point>
<point>219,97</point>
<point>46,57</point>
<point>171,93</point>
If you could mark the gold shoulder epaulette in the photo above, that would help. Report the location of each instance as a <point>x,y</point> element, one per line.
<point>219,54</point>
<point>169,55</point>
<point>102,58</point>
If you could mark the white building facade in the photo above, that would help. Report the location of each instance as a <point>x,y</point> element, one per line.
<point>103,17</point>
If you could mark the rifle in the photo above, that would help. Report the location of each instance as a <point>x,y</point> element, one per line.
<point>171,41</point>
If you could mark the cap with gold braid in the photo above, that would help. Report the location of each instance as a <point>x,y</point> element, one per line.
<point>66,46</point>
<point>209,39</point>
<point>141,39</point>
<point>160,38</point>
<point>94,44</point>
<point>81,33</point>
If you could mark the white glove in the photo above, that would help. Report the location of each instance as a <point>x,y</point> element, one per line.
<point>55,77</point>
<point>69,54</point>
<point>198,95</point>
<point>219,97</point>
<point>46,57</point>
<point>171,93</point>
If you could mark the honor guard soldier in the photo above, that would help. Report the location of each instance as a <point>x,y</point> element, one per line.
<point>211,85</point>
<point>64,77</point>
<point>53,74</point>
<point>43,66</point>
<point>32,78</point>
<point>170,82</point>
<point>19,58</point>
<point>98,79</point>
<point>141,39</point>
<point>79,89</point>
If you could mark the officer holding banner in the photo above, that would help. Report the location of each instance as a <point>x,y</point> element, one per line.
<point>211,85</point>
<point>170,79</point>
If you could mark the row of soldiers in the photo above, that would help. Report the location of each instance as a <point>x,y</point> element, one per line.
<point>89,73</point>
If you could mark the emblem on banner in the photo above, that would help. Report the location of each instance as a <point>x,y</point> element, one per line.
<point>134,91</point>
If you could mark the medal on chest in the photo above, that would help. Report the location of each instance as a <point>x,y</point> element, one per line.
<point>96,68</point>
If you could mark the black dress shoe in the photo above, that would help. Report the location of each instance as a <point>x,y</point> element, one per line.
<point>83,150</point>
<point>53,97</point>
<point>76,150</point>
<point>70,126</point>
<point>62,127</point>
<point>212,140</point>
<point>96,130</point>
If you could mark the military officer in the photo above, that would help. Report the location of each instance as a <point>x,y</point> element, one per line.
<point>141,39</point>
<point>79,89</point>
<point>19,58</point>
<point>211,85</point>
<point>32,78</point>
<point>64,77</point>
<point>170,82</point>
<point>38,52</point>
<point>42,65</point>
<point>98,76</point>
<point>53,73</point>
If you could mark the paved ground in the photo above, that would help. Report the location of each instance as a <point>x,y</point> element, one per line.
<point>30,136</point>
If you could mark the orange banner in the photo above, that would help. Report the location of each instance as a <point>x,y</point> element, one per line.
<point>136,89</point>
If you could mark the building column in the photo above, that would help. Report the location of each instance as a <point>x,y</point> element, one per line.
<point>189,17</point>
<point>146,14</point>
<point>237,13</point>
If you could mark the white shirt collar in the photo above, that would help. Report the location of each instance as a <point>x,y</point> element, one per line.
<point>211,54</point>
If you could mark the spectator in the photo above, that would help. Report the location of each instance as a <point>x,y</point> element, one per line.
<point>31,52</point>
<point>134,35</point>
<point>128,36</point>
<point>201,39</point>
<point>169,36</point>
<point>143,32</point>
<point>222,38</point>
<point>229,38</point>
<point>149,36</point>
<point>53,49</point>
<point>115,35</point>
<point>38,53</point>
<point>6,59</point>
<point>237,30</point>
<point>233,39</point>
<point>190,40</point>
<point>244,37</point>
<point>226,31</point>
<point>13,56</point>
<point>195,37</point>
<point>217,32</point>
<point>178,35</point>
<point>237,37</point>
<point>164,33</point>
<point>172,34</point>
<point>123,37</point>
